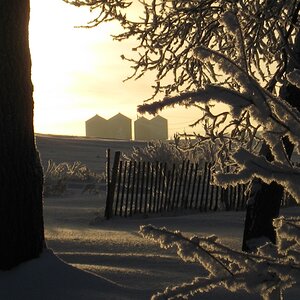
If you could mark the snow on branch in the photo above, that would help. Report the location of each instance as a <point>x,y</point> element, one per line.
<point>230,68</point>
<point>231,23</point>
<point>276,117</point>
<point>274,113</point>
<point>289,242</point>
<point>265,274</point>
<point>257,166</point>
<point>294,78</point>
<point>285,120</point>
<point>237,101</point>
<point>189,250</point>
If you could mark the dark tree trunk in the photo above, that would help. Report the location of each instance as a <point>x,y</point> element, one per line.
<point>262,207</point>
<point>265,201</point>
<point>21,176</point>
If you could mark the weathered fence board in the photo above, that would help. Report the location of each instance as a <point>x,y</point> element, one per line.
<point>111,184</point>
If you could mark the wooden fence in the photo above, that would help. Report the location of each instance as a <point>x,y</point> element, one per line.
<point>139,187</point>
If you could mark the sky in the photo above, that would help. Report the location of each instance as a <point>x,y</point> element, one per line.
<point>78,73</point>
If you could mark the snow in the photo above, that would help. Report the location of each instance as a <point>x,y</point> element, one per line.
<point>89,151</point>
<point>48,277</point>
<point>258,166</point>
<point>230,21</point>
<point>294,78</point>
<point>110,259</point>
<point>265,274</point>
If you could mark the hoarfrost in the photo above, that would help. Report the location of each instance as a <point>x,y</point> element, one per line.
<point>257,166</point>
<point>294,78</point>
<point>266,274</point>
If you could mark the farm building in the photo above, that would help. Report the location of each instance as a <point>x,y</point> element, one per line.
<point>96,127</point>
<point>154,129</point>
<point>142,129</point>
<point>159,127</point>
<point>117,127</point>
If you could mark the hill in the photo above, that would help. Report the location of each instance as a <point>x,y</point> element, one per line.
<point>89,151</point>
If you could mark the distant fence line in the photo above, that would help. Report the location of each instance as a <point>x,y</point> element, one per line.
<point>139,187</point>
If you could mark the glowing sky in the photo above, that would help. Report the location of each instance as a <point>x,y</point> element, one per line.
<point>78,73</point>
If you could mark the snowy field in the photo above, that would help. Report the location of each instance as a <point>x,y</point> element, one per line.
<point>120,263</point>
<point>89,151</point>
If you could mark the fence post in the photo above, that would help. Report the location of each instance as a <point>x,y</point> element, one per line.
<point>183,195</point>
<point>137,186</point>
<point>132,189</point>
<point>128,187</point>
<point>189,186</point>
<point>194,184</point>
<point>107,169</point>
<point>203,186</point>
<point>180,184</point>
<point>111,185</point>
<point>170,202</point>
<point>107,179</point>
<point>163,189</point>
<point>119,183</point>
<point>123,188</point>
<point>142,186</point>
<point>147,187</point>
<point>208,179</point>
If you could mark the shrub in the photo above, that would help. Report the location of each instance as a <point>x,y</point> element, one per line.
<point>57,176</point>
<point>172,152</point>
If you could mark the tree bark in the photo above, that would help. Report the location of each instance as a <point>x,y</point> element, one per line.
<point>21,175</point>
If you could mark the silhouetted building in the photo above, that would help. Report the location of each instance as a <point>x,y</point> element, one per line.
<point>96,127</point>
<point>159,128</point>
<point>117,127</point>
<point>142,129</point>
<point>154,129</point>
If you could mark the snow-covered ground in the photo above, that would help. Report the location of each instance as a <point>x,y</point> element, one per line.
<point>115,250</point>
<point>117,262</point>
<point>89,151</point>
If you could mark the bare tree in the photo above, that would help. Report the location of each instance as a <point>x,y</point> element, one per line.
<point>261,38</point>
<point>21,176</point>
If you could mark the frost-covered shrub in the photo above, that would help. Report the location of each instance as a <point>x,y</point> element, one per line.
<point>266,274</point>
<point>172,152</point>
<point>157,150</point>
<point>198,148</point>
<point>57,176</point>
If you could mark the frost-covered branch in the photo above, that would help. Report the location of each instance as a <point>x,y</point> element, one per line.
<point>198,247</point>
<point>276,117</point>
<point>166,32</point>
<point>294,78</point>
<point>237,101</point>
<point>266,274</point>
<point>252,166</point>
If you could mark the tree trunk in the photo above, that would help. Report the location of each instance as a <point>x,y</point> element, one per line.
<point>21,176</point>
<point>265,200</point>
<point>262,207</point>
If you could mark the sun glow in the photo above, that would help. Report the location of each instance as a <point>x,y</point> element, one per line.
<point>78,72</point>
<point>64,62</point>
